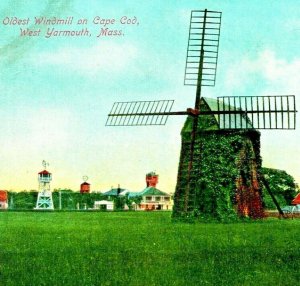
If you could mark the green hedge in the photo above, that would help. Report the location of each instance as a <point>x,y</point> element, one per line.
<point>70,200</point>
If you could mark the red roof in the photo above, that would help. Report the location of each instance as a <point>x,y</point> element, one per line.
<point>44,173</point>
<point>3,196</point>
<point>85,183</point>
<point>296,200</point>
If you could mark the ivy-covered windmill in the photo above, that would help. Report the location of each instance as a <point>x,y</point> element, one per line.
<point>219,168</point>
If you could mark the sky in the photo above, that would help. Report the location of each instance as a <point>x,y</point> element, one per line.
<point>56,92</point>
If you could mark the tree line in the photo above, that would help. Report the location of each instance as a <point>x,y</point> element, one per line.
<point>66,199</point>
<point>282,185</point>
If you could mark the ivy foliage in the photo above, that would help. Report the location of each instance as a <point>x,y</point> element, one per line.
<point>220,157</point>
<point>219,168</point>
<point>225,163</point>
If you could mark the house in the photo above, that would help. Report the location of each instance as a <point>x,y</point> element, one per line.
<point>153,198</point>
<point>296,205</point>
<point>104,205</point>
<point>296,200</point>
<point>3,200</point>
<point>114,195</point>
<point>114,192</point>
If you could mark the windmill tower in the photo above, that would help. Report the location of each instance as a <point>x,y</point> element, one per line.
<point>44,200</point>
<point>229,116</point>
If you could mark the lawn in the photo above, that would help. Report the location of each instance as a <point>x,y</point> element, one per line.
<point>139,248</point>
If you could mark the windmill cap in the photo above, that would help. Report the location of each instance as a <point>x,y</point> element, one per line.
<point>45,172</point>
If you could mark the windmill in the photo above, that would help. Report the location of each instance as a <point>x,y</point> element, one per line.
<point>230,112</point>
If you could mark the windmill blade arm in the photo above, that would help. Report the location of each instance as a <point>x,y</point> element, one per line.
<point>140,113</point>
<point>151,114</point>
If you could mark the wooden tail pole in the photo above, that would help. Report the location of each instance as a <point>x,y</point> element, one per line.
<point>265,182</point>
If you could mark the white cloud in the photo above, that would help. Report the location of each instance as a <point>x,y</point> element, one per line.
<point>276,73</point>
<point>91,60</point>
<point>292,24</point>
<point>280,72</point>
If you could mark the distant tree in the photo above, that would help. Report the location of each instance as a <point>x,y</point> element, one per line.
<point>282,186</point>
<point>63,190</point>
<point>136,199</point>
<point>119,202</point>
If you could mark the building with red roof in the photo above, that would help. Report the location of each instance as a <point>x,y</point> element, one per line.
<point>296,200</point>
<point>3,200</point>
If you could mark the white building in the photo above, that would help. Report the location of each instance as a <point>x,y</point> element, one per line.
<point>104,205</point>
<point>154,199</point>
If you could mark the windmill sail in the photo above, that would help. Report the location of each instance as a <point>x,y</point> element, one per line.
<point>137,113</point>
<point>257,112</point>
<point>203,46</point>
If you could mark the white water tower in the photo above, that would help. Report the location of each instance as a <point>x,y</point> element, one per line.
<point>44,200</point>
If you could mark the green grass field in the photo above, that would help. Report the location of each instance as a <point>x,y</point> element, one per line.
<point>138,248</point>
